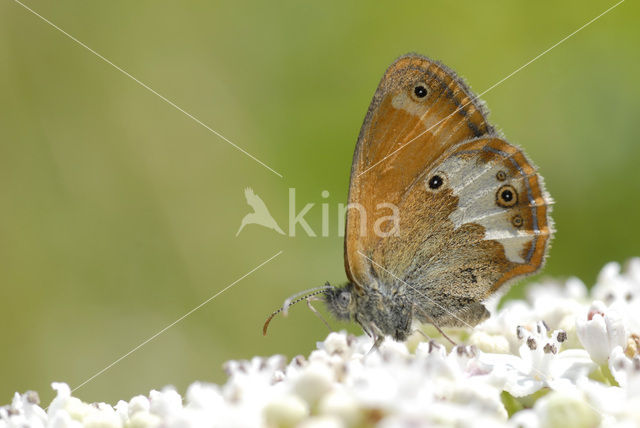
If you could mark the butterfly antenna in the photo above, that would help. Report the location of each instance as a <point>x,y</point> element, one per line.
<point>292,300</point>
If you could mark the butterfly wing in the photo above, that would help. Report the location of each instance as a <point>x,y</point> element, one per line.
<point>484,224</point>
<point>402,133</point>
<point>461,240</point>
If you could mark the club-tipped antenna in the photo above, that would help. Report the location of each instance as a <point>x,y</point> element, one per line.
<point>292,300</point>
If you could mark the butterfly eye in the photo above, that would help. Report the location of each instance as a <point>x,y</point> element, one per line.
<point>345,298</point>
<point>420,91</point>
<point>501,176</point>
<point>436,182</point>
<point>507,196</point>
<point>517,221</point>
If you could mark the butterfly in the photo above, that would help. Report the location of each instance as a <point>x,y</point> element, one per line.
<point>473,213</point>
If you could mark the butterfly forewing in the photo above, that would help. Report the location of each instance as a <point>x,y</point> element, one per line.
<point>401,134</point>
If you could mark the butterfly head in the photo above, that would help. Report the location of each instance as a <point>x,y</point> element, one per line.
<point>341,301</point>
<point>378,314</point>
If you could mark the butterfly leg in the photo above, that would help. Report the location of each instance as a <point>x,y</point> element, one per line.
<point>432,322</point>
<point>444,334</point>
<point>373,332</point>
<point>365,328</point>
<point>315,311</point>
<point>422,333</point>
<point>378,339</point>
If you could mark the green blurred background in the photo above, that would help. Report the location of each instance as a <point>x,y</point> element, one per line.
<point>119,213</point>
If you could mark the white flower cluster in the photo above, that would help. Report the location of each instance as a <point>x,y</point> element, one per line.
<point>560,358</point>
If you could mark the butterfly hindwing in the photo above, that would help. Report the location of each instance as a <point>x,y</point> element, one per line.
<point>461,240</point>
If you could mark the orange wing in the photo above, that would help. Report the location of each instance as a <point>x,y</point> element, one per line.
<point>420,109</point>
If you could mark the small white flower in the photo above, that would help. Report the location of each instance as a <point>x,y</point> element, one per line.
<point>165,402</point>
<point>525,419</point>
<point>616,407</point>
<point>144,420</point>
<point>626,372</point>
<point>287,410</point>
<point>204,396</point>
<point>313,382</point>
<point>23,411</point>
<point>540,362</point>
<point>502,326</point>
<point>343,405</point>
<point>336,343</point>
<point>600,330</point>
<point>322,422</point>
<point>621,292</point>
<point>63,394</point>
<point>102,416</point>
<point>62,419</point>
<point>612,285</point>
<point>139,403</point>
<point>69,409</point>
<point>492,343</point>
<point>27,407</point>
<point>566,408</point>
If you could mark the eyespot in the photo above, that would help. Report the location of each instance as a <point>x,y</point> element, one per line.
<point>436,182</point>
<point>501,176</point>
<point>517,221</point>
<point>506,196</point>
<point>419,91</point>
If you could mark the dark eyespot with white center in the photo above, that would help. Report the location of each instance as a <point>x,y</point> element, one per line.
<point>436,182</point>
<point>506,196</point>
<point>419,91</point>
